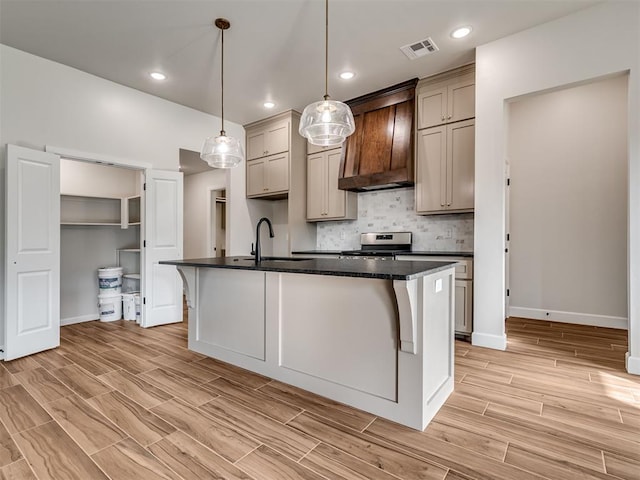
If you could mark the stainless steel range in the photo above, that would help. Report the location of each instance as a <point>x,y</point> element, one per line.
<point>380,246</point>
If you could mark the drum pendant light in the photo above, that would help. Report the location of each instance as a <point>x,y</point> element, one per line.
<point>222,151</point>
<point>327,122</point>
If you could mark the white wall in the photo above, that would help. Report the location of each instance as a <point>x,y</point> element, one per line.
<point>561,52</point>
<point>46,103</point>
<point>567,154</point>
<point>197,196</point>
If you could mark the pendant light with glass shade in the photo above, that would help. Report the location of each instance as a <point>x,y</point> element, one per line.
<point>327,122</point>
<point>222,151</point>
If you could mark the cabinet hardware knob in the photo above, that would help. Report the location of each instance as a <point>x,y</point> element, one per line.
<point>449,117</point>
<point>442,118</point>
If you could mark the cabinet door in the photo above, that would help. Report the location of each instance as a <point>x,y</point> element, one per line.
<point>432,108</point>
<point>464,305</point>
<point>255,178</point>
<point>277,138</point>
<point>431,170</point>
<point>460,165</point>
<point>316,185</point>
<point>461,101</point>
<point>256,146</point>
<point>335,198</point>
<point>276,175</point>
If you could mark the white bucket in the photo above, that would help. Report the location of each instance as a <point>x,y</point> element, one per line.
<point>110,307</point>
<point>129,306</point>
<point>110,280</point>
<point>136,299</point>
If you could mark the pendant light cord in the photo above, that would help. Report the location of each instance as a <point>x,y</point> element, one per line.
<point>326,49</point>
<point>222,132</point>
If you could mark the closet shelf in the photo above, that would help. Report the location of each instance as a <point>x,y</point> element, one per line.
<point>92,224</point>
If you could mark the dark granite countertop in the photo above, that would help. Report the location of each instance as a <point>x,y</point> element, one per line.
<point>421,253</point>
<point>381,269</point>
<point>439,254</point>
<point>317,252</point>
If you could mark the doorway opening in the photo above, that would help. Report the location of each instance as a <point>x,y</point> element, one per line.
<point>217,223</point>
<point>100,227</point>
<point>567,214</point>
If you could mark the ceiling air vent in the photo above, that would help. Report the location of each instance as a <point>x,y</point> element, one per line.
<point>419,49</point>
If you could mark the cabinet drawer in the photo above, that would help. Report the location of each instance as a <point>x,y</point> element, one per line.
<point>464,269</point>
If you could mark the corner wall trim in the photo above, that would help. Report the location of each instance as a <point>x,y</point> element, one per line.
<point>497,342</point>
<point>633,364</point>
<point>570,317</point>
<point>82,318</point>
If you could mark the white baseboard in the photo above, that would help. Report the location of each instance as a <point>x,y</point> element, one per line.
<point>497,342</point>
<point>569,317</point>
<point>82,318</point>
<point>633,364</point>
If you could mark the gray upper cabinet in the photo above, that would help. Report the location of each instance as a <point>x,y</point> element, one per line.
<point>324,200</point>
<point>446,101</point>
<point>275,156</point>
<point>268,139</point>
<point>445,138</point>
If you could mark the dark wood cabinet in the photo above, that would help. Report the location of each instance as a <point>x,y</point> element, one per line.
<point>379,154</point>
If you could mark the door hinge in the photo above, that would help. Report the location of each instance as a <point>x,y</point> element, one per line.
<point>508,237</point>
<point>144,186</point>
<point>508,182</point>
<point>144,244</point>
<point>144,300</point>
<point>507,292</point>
<point>506,250</point>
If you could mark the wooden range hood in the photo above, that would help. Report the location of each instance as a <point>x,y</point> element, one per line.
<point>379,154</point>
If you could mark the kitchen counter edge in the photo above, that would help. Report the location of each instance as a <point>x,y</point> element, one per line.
<point>358,268</point>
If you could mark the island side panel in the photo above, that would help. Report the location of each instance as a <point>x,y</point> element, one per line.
<point>341,330</point>
<point>231,313</point>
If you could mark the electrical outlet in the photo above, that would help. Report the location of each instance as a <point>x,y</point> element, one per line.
<point>342,235</point>
<point>448,233</point>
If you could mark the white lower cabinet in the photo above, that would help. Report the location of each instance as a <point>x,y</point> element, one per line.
<point>463,288</point>
<point>464,306</point>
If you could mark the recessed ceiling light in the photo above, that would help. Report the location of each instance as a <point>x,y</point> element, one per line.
<point>461,32</point>
<point>158,76</point>
<point>269,104</point>
<point>347,75</point>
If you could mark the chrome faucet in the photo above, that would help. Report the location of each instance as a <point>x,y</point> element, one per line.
<point>257,257</point>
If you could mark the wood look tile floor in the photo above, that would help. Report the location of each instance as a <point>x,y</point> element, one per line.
<point>119,402</point>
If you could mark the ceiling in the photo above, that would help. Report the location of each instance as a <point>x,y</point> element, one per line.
<point>274,49</point>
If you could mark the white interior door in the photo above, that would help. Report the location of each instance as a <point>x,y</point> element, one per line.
<point>32,277</point>
<point>161,284</point>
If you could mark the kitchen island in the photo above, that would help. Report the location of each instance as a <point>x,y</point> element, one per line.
<point>376,335</point>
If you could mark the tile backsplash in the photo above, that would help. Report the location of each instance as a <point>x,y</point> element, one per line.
<point>394,211</point>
